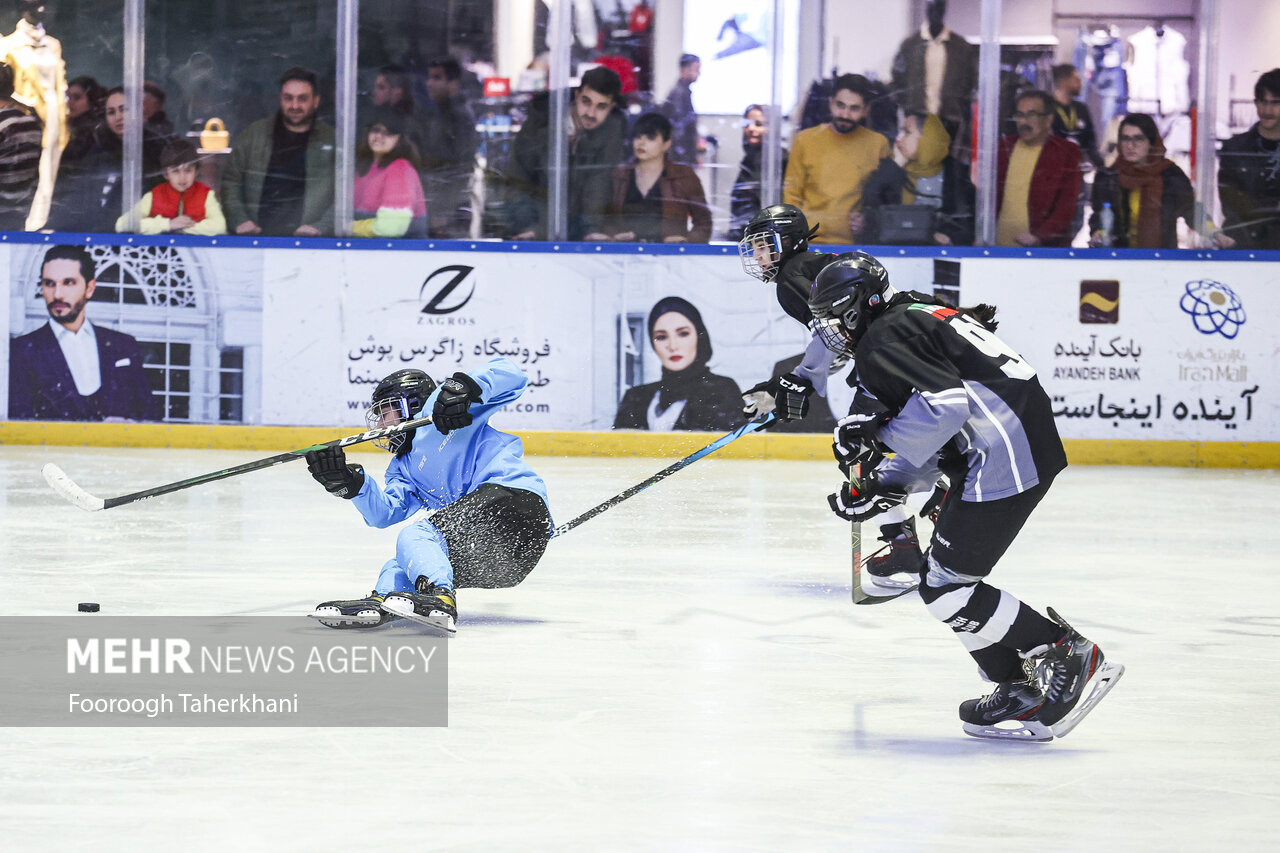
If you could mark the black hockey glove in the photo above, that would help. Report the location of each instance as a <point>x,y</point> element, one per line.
<point>855,434</point>
<point>787,395</point>
<point>860,501</point>
<point>330,469</point>
<point>456,396</point>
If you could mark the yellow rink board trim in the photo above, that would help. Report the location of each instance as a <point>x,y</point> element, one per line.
<point>277,439</point>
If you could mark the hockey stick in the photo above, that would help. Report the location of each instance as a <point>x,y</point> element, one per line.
<point>860,595</point>
<point>65,486</point>
<point>728,438</point>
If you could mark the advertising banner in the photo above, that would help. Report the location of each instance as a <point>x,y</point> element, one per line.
<point>1145,350</point>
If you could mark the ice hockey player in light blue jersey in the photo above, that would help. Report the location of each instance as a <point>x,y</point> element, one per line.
<point>491,523</point>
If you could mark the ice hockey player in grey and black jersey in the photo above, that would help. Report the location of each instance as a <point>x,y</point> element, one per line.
<point>956,397</point>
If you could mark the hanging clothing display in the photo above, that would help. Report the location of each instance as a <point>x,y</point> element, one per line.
<point>1159,73</point>
<point>1099,55</point>
<point>40,82</point>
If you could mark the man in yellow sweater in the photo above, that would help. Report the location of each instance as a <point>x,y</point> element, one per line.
<point>830,163</point>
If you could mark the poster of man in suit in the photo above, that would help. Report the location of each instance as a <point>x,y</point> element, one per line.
<point>70,368</point>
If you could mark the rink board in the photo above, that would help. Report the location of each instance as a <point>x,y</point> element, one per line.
<point>1147,361</point>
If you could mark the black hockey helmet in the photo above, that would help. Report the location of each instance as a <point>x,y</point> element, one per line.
<point>398,398</point>
<point>774,236</point>
<point>847,295</point>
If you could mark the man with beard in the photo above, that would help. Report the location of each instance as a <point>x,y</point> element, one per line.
<point>830,163</point>
<point>70,369</point>
<point>1037,178</point>
<point>596,130</point>
<point>280,178</point>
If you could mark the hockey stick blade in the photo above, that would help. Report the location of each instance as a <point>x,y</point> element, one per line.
<point>727,438</point>
<point>67,488</point>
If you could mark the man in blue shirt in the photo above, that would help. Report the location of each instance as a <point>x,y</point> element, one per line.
<point>491,523</point>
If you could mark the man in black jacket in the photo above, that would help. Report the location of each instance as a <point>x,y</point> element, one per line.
<point>595,147</point>
<point>448,150</point>
<point>1249,175</point>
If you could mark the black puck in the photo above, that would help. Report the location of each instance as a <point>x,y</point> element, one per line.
<point>88,607</point>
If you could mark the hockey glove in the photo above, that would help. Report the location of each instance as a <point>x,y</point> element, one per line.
<point>456,396</point>
<point>860,501</point>
<point>855,435</point>
<point>330,469</point>
<point>787,395</point>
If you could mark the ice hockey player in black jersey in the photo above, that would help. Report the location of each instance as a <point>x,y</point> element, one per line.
<point>956,396</point>
<point>775,249</point>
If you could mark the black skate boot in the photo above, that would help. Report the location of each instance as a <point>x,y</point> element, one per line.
<point>1075,676</point>
<point>1009,713</point>
<point>356,613</point>
<point>903,554</point>
<point>431,605</point>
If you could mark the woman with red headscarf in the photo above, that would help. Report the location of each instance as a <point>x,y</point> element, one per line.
<point>1147,192</point>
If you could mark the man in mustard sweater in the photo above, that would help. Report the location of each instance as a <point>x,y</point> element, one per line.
<point>830,163</point>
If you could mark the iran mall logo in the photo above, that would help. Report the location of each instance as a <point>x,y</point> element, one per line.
<point>1213,307</point>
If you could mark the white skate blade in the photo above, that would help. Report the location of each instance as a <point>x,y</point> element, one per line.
<point>892,582</point>
<point>1032,731</point>
<point>1099,686</point>
<point>871,591</point>
<point>436,619</point>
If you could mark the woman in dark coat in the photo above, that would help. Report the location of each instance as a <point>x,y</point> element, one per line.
<point>1147,191</point>
<point>688,396</point>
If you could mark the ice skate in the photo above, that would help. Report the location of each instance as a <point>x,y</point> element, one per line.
<point>902,558</point>
<point>430,605</point>
<point>1010,712</point>
<point>1075,676</point>
<point>355,613</point>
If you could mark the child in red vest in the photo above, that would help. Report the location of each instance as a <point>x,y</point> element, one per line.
<point>181,204</point>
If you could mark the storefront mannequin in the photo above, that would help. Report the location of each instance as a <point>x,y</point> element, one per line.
<point>935,71</point>
<point>39,82</point>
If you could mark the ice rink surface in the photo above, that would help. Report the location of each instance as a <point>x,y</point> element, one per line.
<point>685,673</point>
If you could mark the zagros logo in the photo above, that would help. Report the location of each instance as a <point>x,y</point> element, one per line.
<point>440,292</point>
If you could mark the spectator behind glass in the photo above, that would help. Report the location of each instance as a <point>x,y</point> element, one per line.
<point>88,195</point>
<point>1249,175</point>
<point>654,199</point>
<point>830,163</point>
<point>1147,192</point>
<point>1037,178</point>
<point>279,180</point>
<point>921,172</point>
<point>86,106</point>
<point>596,133</point>
<point>679,109</point>
<point>388,194</point>
<point>21,142</point>
<point>180,204</point>
<point>448,151</point>
<point>744,201</point>
<point>688,396</point>
<point>153,99</point>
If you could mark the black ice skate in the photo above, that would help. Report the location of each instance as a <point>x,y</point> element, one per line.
<point>902,558</point>
<point>1009,713</point>
<point>430,605</point>
<point>1075,676</point>
<point>356,613</point>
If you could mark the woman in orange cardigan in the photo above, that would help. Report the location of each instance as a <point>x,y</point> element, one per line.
<point>654,200</point>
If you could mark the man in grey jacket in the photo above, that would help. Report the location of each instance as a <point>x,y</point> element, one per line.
<point>280,178</point>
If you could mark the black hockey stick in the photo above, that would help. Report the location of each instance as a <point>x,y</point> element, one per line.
<point>65,486</point>
<point>860,595</point>
<point>728,438</point>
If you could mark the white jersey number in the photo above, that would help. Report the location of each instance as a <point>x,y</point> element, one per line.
<point>988,344</point>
